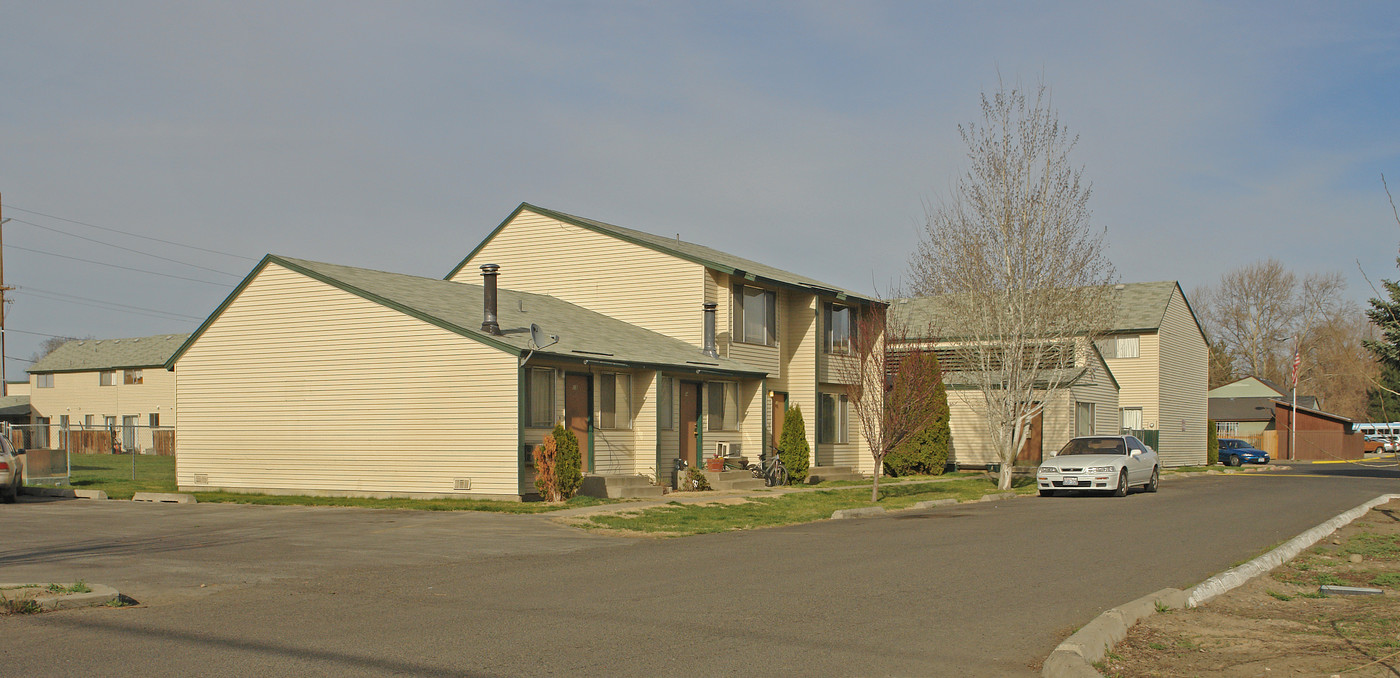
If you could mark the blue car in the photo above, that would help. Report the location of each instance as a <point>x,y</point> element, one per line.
<point>1238,452</point>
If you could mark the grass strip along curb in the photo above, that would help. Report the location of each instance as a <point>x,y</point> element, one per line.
<point>1074,657</point>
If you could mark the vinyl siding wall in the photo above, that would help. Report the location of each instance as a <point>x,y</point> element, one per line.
<point>78,394</point>
<point>302,388</point>
<point>1138,379</point>
<point>801,343</point>
<point>604,274</point>
<point>1184,382</point>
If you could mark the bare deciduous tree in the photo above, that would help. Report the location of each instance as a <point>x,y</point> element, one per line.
<point>1336,366</point>
<point>890,396</point>
<point>1021,275</point>
<point>1264,314</point>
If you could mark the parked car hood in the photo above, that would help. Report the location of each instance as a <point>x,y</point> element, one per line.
<point>1085,460</point>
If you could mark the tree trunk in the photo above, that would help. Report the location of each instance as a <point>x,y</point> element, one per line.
<point>1004,478</point>
<point>875,488</point>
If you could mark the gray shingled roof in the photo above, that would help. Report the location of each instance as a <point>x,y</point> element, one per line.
<point>1138,307</point>
<point>83,355</point>
<point>14,406</point>
<point>457,307</point>
<point>707,256</point>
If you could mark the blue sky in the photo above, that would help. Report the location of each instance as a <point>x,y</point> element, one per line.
<point>806,135</point>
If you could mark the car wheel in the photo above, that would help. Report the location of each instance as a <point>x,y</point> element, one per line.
<point>12,493</point>
<point>1234,460</point>
<point>1152,484</point>
<point>1122,490</point>
<point>1047,493</point>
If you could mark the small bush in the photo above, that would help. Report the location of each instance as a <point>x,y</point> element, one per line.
<point>695,480</point>
<point>793,447</point>
<point>568,464</point>
<point>1212,444</point>
<point>546,482</point>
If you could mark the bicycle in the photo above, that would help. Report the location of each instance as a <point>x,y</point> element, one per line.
<point>771,470</point>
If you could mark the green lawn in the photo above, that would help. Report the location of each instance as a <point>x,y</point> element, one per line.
<point>790,509</point>
<point>112,474</point>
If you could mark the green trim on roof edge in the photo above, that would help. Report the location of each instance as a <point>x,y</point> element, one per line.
<point>199,331</point>
<point>708,263</point>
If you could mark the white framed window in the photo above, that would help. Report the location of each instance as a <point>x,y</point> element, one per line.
<point>724,406</point>
<point>1228,428</point>
<point>1083,419</point>
<point>1124,346</point>
<point>755,315</point>
<point>615,400</point>
<point>539,397</point>
<point>1131,418</point>
<point>837,328</point>
<point>131,376</point>
<point>43,381</point>
<point>110,422</point>
<point>107,377</point>
<point>87,421</point>
<point>155,420</point>
<point>834,419</point>
<point>666,403</point>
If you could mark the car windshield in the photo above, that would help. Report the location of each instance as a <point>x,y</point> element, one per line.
<point>1230,443</point>
<point>1094,446</point>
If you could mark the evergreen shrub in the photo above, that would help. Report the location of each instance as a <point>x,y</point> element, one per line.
<point>793,447</point>
<point>568,465</point>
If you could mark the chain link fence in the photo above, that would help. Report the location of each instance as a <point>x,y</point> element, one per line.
<point>48,448</point>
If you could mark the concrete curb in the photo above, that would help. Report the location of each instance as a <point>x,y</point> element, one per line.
<point>933,503</point>
<point>857,512</point>
<point>101,594</point>
<point>62,492</point>
<point>165,497</point>
<point>998,496</point>
<point>1236,576</point>
<point>1074,657</point>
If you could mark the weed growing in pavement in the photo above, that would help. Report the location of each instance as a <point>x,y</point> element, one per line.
<point>1163,608</point>
<point>78,587</point>
<point>1280,596</point>
<point>20,606</point>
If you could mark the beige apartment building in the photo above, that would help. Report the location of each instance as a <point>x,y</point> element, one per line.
<point>118,385</point>
<point>363,382</point>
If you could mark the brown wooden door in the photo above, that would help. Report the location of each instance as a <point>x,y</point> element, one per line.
<point>1031,446</point>
<point>690,420</point>
<point>578,408</point>
<point>779,413</point>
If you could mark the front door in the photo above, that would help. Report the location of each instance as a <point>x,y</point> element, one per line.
<point>1031,446</point>
<point>690,421</point>
<point>578,409</point>
<point>779,414</point>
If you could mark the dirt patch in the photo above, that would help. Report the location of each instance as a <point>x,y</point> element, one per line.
<point>1278,624</point>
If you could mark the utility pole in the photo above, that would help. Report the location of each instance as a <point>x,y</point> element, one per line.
<point>4,385</point>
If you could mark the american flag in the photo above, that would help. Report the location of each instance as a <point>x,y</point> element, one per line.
<point>1297,359</point>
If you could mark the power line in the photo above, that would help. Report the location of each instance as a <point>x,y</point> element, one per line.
<point>134,235</point>
<point>127,249</point>
<point>32,290</point>
<point>124,268</point>
<point>112,306</point>
<point>41,334</point>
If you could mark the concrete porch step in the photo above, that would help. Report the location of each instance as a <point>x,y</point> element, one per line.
<point>619,487</point>
<point>733,480</point>
<point>817,474</point>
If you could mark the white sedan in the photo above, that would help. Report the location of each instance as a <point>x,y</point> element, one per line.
<point>1109,463</point>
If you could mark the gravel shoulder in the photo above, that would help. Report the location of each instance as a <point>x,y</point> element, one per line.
<point>1278,624</point>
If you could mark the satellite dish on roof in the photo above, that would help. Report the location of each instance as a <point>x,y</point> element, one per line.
<point>541,340</point>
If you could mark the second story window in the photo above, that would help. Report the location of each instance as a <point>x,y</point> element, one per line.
<point>837,328</point>
<point>1119,347</point>
<point>107,377</point>
<point>43,381</point>
<point>131,376</point>
<point>755,315</point>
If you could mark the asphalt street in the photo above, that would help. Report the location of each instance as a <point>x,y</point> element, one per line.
<point>974,589</point>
